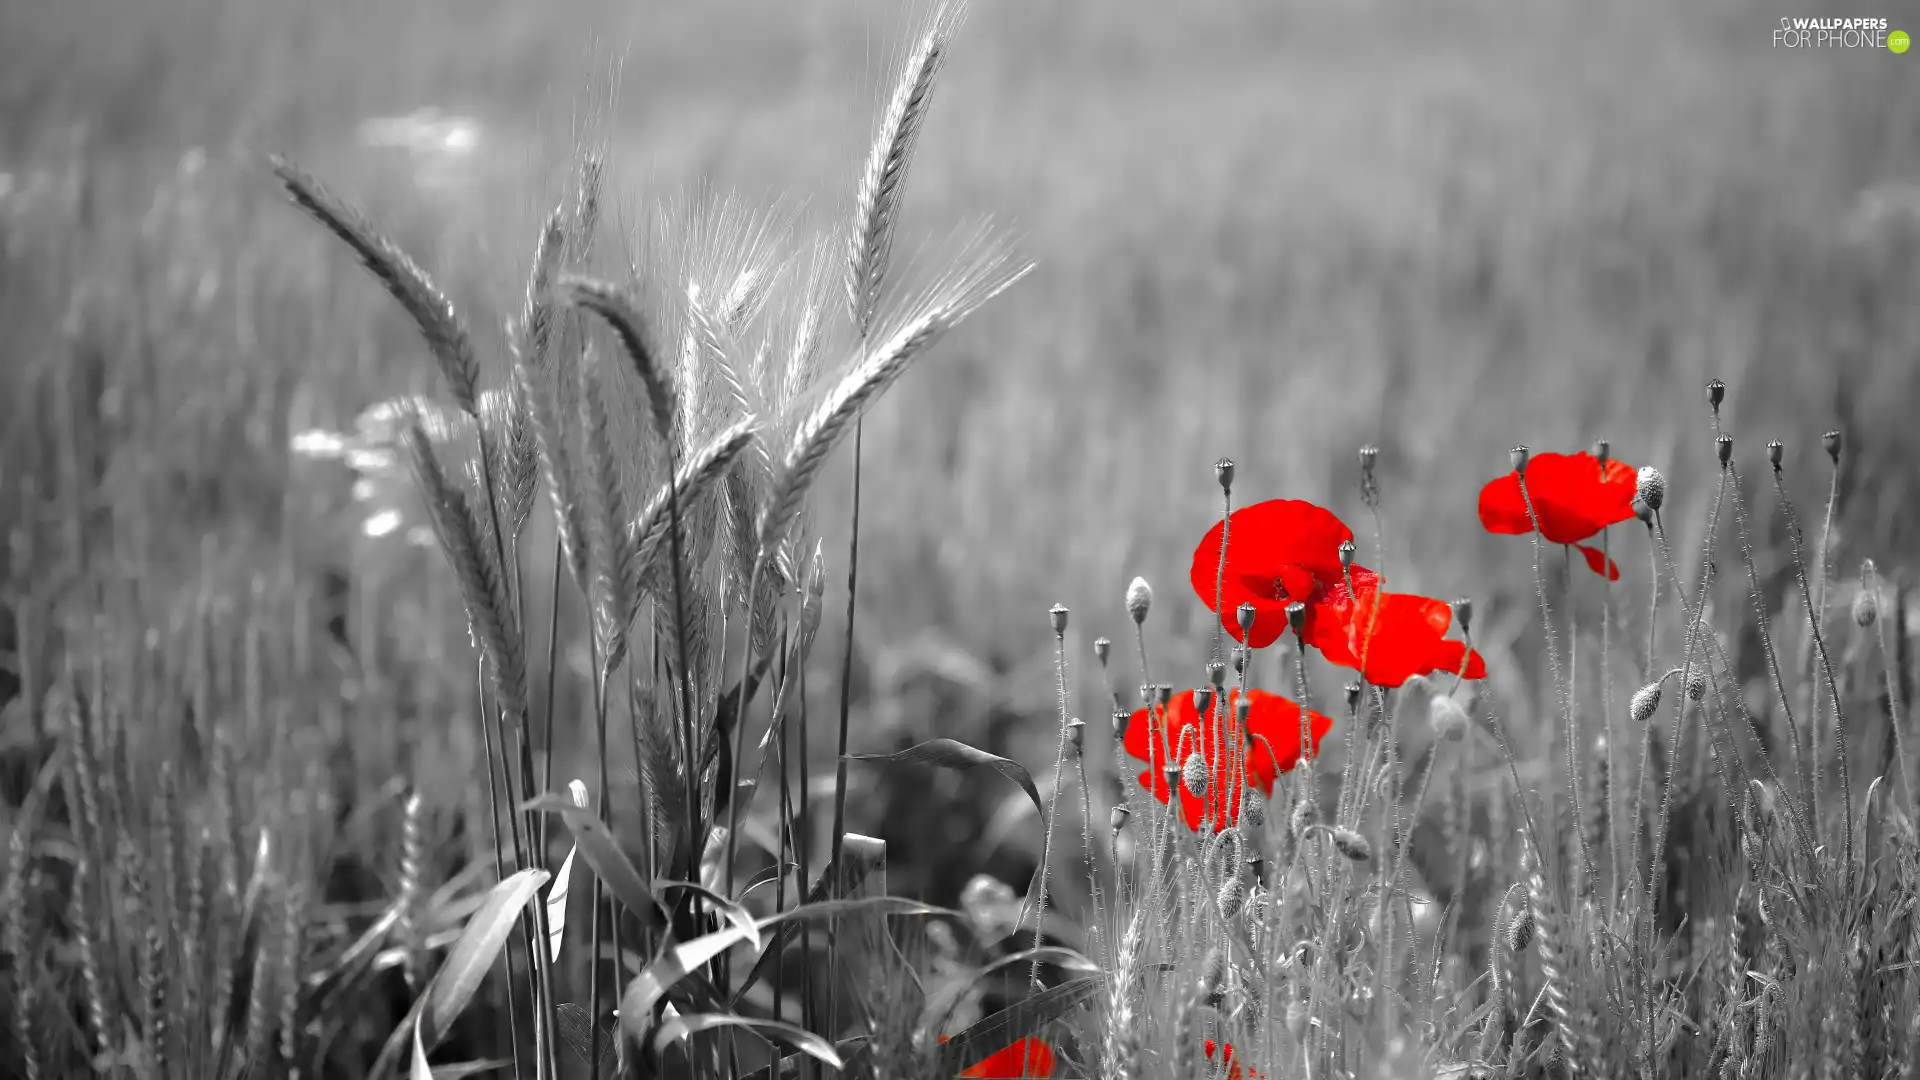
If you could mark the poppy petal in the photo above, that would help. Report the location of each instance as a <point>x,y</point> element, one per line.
<point>1503,509</point>
<point>1028,1057</point>
<point>1598,562</point>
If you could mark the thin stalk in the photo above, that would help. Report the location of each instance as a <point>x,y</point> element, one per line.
<point>1046,844</point>
<point>836,841</point>
<point>1606,712</point>
<point>602,805</point>
<point>499,849</point>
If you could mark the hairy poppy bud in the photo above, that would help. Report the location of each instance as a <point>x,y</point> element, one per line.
<point>1203,700</point>
<point>1217,674</point>
<point>1297,1010</point>
<point>1650,487</point>
<point>1304,815</point>
<point>1233,896</point>
<point>1058,614</point>
<point>1244,615</point>
<point>1831,440</point>
<point>1223,472</point>
<point>1865,608</point>
<point>1118,819</point>
<point>1102,648</point>
<point>1194,774</point>
<point>1351,844</point>
<point>1121,718</point>
<point>1463,614</point>
<point>1518,457</point>
<point>1519,933</point>
<point>1296,617</point>
<point>1139,599</point>
<point>1775,450</point>
<point>1716,393</point>
<point>1723,446</point>
<point>1347,551</point>
<point>1448,718</point>
<point>1253,810</point>
<point>1603,450</point>
<point>1697,686</point>
<point>1353,697</point>
<point>1077,733</point>
<point>1644,701</point>
<point>1213,975</point>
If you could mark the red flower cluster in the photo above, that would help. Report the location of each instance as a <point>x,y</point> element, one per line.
<point>1268,745</point>
<point>1234,1072</point>
<point>1574,496</point>
<point>1286,551</point>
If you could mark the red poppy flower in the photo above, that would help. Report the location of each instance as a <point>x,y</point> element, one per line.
<point>1399,635</point>
<point>1029,1057</point>
<point>1573,497</point>
<point>1271,747</point>
<point>1278,551</point>
<point>1233,1066</point>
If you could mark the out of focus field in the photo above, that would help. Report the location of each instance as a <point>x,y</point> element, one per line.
<point>1272,231</point>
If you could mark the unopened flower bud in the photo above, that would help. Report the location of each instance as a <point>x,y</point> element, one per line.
<point>1058,614</point>
<point>1213,975</point>
<point>1253,811</point>
<point>1723,447</point>
<point>1118,819</point>
<point>1245,614</point>
<point>1216,673</point>
<point>1304,815</point>
<point>1520,931</point>
<point>1242,708</point>
<point>1697,686</point>
<point>1775,451</point>
<point>1194,774</point>
<point>1865,608</point>
<point>1165,693</point>
<point>1448,718</point>
<point>1297,617</point>
<point>1102,648</point>
<point>1173,774</point>
<point>1831,440</point>
<point>1146,694</point>
<point>1716,393</point>
<point>1223,472</point>
<point>1351,844</point>
<point>1650,488</point>
<point>1644,701</point>
<point>1233,896</point>
<point>1139,599</point>
<point>1077,733</point>
<point>1518,458</point>
<point>1603,452</point>
<point>1240,660</point>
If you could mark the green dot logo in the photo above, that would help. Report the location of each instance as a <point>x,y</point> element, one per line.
<point>1898,41</point>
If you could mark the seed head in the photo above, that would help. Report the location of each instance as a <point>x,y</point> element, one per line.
<point>1644,701</point>
<point>1118,819</point>
<point>1165,693</point>
<point>1369,456</point>
<point>1518,457</point>
<point>1463,614</point>
<point>1217,674</point>
<point>1353,697</point>
<point>1347,551</point>
<point>1242,708</point>
<point>1077,734</point>
<point>1448,717</point>
<point>1520,931</point>
<point>1253,811</point>
<point>1831,440</point>
<point>1697,686</point>
<point>1723,446</point>
<point>1173,775</point>
<point>1194,774</point>
<point>1351,844</point>
<point>1102,648</point>
<point>1296,617</point>
<point>1865,608</point>
<point>1650,488</point>
<point>1058,613</point>
<point>1245,614</point>
<point>1146,693</point>
<point>1603,450</point>
<point>1239,659</point>
<point>1775,450</point>
<point>1716,393</point>
<point>1139,599</point>
<point>1223,472</point>
<point>1121,718</point>
<point>1304,815</point>
<point>1203,700</point>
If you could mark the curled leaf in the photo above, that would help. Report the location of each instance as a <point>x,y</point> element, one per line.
<point>954,754</point>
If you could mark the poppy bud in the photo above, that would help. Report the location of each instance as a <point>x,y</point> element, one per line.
<point>1304,815</point>
<point>1223,472</point>
<point>1716,393</point>
<point>1644,701</point>
<point>1518,457</point>
<point>1253,810</point>
<point>1245,614</point>
<point>1650,488</point>
<point>1102,648</point>
<point>1297,617</point>
<point>1723,446</point>
<point>1297,1018</point>
<point>1775,450</point>
<point>1118,819</point>
<point>1203,700</point>
<point>1077,733</point>
<point>1463,613</point>
<point>1213,976</point>
<point>1353,697</point>
<point>1603,450</point>
<point>1351,844</point>
<point>1347,551</point>
<point>1139,599</point>
<point>1369,454</point>
<point>1194,774</point>
<point>1697,685</point>
<point>1866,610</point>
<point>1216,673</point>
<point>1448,718</point>
<point>1519,933</point>
<point>1233,896</point>
<point>1058,613</point>
<point>1121,718</point>
<point>1831,440</point>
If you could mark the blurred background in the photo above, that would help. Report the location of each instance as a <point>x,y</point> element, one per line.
<point>1272,231</point>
